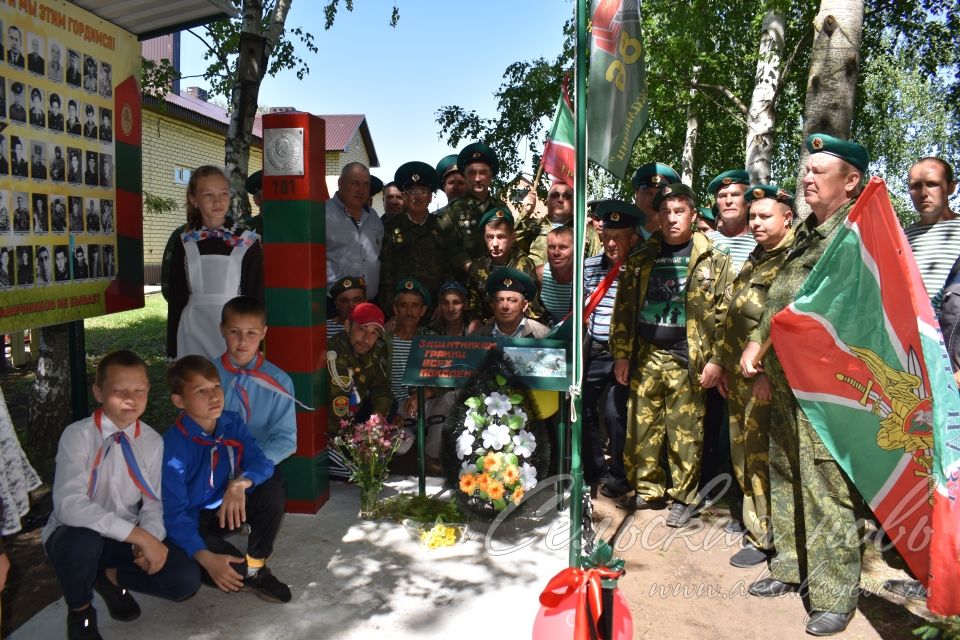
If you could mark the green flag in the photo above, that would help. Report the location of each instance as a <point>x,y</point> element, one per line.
<point>617,107</point>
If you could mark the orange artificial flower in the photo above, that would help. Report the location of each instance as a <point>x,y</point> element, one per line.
<point>495,490</point>
<point>491,462</point>
<point>468,483</point>
<point>483,482</point>
<point>511,474</point>
<point>517,496</point>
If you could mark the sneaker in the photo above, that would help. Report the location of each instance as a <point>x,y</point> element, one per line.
<point>734,527</point>
<point>679,515</point>
<point>120,603</point>
<point>82,625</point>
<point>267,587</point>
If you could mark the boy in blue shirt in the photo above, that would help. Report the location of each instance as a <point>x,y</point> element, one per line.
<point>253,387</point>
<point>215,478</point>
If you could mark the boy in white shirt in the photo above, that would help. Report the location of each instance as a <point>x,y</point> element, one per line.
<point>106,531</point>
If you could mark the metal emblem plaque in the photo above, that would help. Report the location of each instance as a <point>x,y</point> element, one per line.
<point>283,152</point>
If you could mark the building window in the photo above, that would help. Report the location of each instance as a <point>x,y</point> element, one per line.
<point>181,175</point>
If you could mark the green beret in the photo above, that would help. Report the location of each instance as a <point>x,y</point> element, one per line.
<point>671,190</point>
<point>376,185</point>
<point>447,165</point>
<point>735,176</point>
<point>499,212</point>
<point>254,183</point>
<point>506,279</point>
<point>848,151</point>
<point>347,283</point>
<point>617,214</point>
<point>477,152</point>
<point>761,191</point>
<point>416,174</point>
<point>707,214</point>
<point>410,285</point>
<point>654,174</point>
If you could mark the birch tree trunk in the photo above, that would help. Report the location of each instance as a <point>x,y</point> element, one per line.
<point>762,116</point>
<point>252,65</point>
<point>834,68</point>
<point>693,130</point>
<point>49,410</point>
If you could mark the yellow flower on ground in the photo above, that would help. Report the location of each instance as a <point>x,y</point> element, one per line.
<point>517,496</point>
<point>495,490</point>
<point>468,483</point>
<point>511,474</point>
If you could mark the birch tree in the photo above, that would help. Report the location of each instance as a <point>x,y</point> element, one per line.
<point>762,114</point>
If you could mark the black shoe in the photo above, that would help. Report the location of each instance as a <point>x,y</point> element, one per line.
<point>613,488</point>
<point>679,515</point>
<point>827,623</point>
<point>266,586</point>
<point>749,556</point>
<point>82,625</point>
<point>636,503</point>
<point>734,527</point>
<point>120,603</point>
<point>911,589</point>
<point>770,588</point>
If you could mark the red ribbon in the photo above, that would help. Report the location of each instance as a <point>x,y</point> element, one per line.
<point>588,583</point>
<point>594,300</point>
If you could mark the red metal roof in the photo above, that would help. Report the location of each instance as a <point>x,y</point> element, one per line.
<point>210,110</point>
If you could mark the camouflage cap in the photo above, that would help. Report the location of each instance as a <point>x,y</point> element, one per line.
<point>761,191</point>
<point>848,151</point>
<point>448,165</point>
<point>346,283</point>
<point>654,174</point>
<point>506,279</point>
<point>673,190</point>
<point>477,152</point>
<point>734,176</point>
<point>416,174</point>
<point>499,212</point>
<point>618,214</point>
<point>411,285</point>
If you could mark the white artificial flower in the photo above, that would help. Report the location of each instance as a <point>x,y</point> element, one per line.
<point>528,476</point>
<point>469,424</point>
<point>465,444</point>
<point>467,467</point>
<point>496,437</point>
<point>518,411</point>
<point>524,444</point>
<point>498,404</point>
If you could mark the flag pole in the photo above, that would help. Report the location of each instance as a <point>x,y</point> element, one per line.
<point>580,215</point>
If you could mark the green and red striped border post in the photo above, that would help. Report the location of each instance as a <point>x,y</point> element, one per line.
<point>295,277</point>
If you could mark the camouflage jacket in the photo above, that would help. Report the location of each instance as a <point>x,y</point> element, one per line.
<point>462,218</point>
<point>478,300</point>
<point>708,277</point>
<point>412,250</point>
<point>747,300</point>
<point>371,377</point>
<point>809,243</point>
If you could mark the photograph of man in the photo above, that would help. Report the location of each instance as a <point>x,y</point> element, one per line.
<point>58,214</point>
<point>3,93</point>
<point>93,256</point>
<point>76,214</point>
<point>18,159</point>
<point>44,270</point>
<point>73,118</point>
<point>73,168</point>
<point>90,124</point>
<point>93,217</point>
<point>55,114</point>
<point>58,167</point>
<point>18,110</point>
<point>91,176</point>
<point>25,266</point>
<point>38,117</point>
<point>73,68</point>
<point>106,80</point>
<point>6,266</point>
<point>41,222</point>
<point>106,170</point>
<point>35,61</point>
<point>55,67</point>
<point>21,214</point>
<point>106,125</point>
<point>89,73</point>
<point>109,264</point>
<point>80,268</point>
<point>38,161</point>
<point>4,163</point>
<point>106,215</point>
<point>14,47</point>
<point>4,213</point>
<point>61,263</point>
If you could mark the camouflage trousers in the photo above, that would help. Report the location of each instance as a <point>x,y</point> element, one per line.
<point>749,424</point>
<point>663,405</point>
<point>816,521</point>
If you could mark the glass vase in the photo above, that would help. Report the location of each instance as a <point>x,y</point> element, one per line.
<point>369,495</point>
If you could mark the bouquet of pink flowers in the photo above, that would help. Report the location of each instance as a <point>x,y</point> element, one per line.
<point>367,448</point>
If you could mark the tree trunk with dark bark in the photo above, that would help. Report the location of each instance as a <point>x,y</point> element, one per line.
<point>49,411</point>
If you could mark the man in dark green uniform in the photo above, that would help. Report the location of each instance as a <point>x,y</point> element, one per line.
<point>452,181</point>
<point>414,242</point>
<point>814,506</point>
<point>662,339</point>
<point>479,164</point>
<point>647,182</point>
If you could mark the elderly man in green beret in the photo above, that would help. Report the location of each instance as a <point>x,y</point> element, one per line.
<point>462,217</point>
<point>511,292</point>
<point>414,242</point>
<point>662,339</point>
<point>732,234</point>
<point>346,293</point>
<point>814,506</point>
<point>452,182</point>
<point>647,181</point>
<point>771,216</point>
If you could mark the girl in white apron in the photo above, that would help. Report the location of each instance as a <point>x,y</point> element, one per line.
<point>214,261</point>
